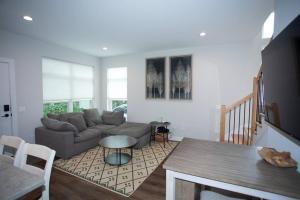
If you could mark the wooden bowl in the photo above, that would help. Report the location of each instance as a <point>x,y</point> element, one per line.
<point>278,159</point>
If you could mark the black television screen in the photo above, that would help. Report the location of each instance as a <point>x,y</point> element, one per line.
<point>281,77</point>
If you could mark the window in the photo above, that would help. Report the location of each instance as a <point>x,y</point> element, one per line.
<point>117,89</point>
<point>67,87</point>
<point>268,27</point>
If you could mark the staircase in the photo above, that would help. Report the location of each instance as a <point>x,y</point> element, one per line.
<point>239,121</point>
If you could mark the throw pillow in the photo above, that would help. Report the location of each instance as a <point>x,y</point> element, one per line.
<point>78,122</point>
<point>56,125</point>
<point>65,116</point>
<point>113,118</point>
<point>91,117</point>
<point>99,121</point>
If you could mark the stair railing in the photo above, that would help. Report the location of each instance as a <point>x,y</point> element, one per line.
<point>238,122</point>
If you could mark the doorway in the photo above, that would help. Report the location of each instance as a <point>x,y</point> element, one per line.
<point>7,98</point>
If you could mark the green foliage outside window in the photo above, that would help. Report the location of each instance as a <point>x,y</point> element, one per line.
<point>76,107</point>
<point>55,108</point>
<point>62,107</point>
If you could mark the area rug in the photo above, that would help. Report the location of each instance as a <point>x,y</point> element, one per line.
<point>124,179</point>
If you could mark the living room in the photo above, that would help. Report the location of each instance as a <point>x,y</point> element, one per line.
<point>111,44</point>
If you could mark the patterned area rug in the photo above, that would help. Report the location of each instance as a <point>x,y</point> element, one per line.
<point>124,179</point>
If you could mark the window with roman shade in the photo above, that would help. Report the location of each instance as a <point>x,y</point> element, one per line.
<point>117,89</point>
<point>67,87</point>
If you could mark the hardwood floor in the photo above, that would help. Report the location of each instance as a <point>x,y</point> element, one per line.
<point>67,187</point>
<point>64,186</point>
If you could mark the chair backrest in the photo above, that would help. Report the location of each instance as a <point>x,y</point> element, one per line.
<point>41,152</point>
<point>14,142</point>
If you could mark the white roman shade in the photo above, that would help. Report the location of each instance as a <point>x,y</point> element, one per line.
<point>117,83</point>
<point>66,81</point>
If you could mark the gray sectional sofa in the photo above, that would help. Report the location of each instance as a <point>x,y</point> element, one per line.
<point>72,133</point>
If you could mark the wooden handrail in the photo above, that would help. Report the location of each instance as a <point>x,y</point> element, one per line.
<point>238,103</point>
<point>254,104</point>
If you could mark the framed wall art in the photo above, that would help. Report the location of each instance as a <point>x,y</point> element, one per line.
<point>155,78</point>
<point>181,77</point>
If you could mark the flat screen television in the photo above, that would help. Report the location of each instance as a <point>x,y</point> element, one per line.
<point>281,78</point>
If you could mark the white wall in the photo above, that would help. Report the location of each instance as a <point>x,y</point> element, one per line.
<point>285,12</point>
<point>221,74</point>
<point>27,54</point>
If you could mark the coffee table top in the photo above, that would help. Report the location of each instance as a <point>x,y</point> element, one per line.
<point>118,141</point>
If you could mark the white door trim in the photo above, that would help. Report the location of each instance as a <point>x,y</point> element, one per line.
<point>13,99</point>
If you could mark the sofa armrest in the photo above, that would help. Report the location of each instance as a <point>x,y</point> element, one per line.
<point>61,141</point>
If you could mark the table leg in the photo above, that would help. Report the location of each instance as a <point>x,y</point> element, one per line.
<point>104,154</point>
<point>151,132</point>
<point>167,134</point>
<point>164,140</point>
<point>170,185</point>
<point>120,157</point>
<point>154,132</point>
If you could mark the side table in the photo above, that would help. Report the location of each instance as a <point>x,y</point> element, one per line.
<point>154,125</point>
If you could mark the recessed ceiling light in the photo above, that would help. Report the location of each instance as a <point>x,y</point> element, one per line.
<point>104,48</point>
<point>202,34</point>
<point>27,18</point>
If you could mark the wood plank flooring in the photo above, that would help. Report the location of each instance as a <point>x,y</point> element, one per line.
<point>64,186</point>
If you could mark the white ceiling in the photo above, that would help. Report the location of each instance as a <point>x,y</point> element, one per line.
<point>127,26</point>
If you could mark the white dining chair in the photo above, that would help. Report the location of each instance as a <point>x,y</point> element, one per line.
<point>13,142</point>
<point>209,195</point>
<point>43,153</point>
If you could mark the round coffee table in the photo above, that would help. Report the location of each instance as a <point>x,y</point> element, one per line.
<point>117,142</point>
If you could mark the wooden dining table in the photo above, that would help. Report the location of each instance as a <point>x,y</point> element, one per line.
<point>232,167</point>
<point>16,183</point>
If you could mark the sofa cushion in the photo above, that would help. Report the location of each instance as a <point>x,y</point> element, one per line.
<point>78,121</point>
<point>56,125</point>
<point>103,127</point>
<point>113,118</point>
<point>65,116</point>
<point>91,117</point>
<point>135,130</point>
<point>88,134</point>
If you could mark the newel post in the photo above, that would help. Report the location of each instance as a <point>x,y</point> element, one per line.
<point>254,105</point>
<point>222,122</point>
